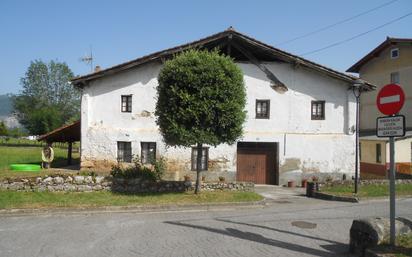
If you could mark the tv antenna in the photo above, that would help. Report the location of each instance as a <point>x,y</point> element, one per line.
<point>88,59</point>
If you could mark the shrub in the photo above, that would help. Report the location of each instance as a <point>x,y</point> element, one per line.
<point>138,170</point>
<point>159,167</point>
<point>329,179</point>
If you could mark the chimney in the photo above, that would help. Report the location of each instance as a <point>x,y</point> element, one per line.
<point>97,68</point>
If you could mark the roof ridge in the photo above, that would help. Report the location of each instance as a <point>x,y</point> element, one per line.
<point>382,46</point>
<point>230,31</point>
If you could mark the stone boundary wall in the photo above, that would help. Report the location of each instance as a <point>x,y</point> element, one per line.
<point>368,182</point>
<point>100,183</point>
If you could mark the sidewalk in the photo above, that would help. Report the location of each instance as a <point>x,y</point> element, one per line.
<point>279,192</point>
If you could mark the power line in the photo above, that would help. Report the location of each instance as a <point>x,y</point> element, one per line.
<point>336,23</point>
<point>356,36</point>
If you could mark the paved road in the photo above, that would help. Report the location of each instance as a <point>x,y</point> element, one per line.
<point>290,226</point>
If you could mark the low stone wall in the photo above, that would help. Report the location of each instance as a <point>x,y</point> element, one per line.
<point>368,182</point>
<point>137,186</point>
<point>58,183</point>
<point>100,183</point>
<point>226,186</point>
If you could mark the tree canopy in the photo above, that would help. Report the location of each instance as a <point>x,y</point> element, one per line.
<point>3,129</point>
<point>47,100</point>
<point>201,100</point>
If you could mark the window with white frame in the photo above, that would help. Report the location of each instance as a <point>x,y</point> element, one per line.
<point>205,158</point>
<point>262,109</point>
<point>378,153</point>
<point>124,151</point>
<point>126,103</point>
<point>318,110</point>
<point>148,152</point>
<point>395,77</point>
<point>394,53</point>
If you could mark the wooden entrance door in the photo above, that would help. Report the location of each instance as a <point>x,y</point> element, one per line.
<point>256,162</point>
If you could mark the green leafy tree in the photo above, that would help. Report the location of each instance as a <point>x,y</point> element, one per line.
<point>201,100</point>
<point>47,100</point>
<point>3,129</point>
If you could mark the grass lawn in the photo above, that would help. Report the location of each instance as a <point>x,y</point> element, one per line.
<point>368,190</point>
<point>403,247</point>
<point>9,199</point>
<point>29,155</point>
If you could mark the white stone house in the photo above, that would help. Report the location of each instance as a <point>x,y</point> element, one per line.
<point>300,116</point>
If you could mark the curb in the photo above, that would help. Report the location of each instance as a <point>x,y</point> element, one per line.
<point>375,252</point>
<point>135,208</point>
<point>329,197</point>
<point>371,253</point>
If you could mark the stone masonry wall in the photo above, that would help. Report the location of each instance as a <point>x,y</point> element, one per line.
<point>100,183</point>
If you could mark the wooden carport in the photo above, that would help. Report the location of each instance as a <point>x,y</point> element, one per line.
<point>66,134</point>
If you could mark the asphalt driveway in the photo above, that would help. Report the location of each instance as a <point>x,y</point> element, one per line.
<point>290,226</point>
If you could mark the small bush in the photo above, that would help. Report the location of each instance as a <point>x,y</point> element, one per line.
<point>329,179</point>
<point>154,172</point>
<point>159,167</point>
<point>315,179</point>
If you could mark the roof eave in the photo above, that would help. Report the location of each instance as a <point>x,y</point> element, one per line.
<point>83,80</point>
<point>388,42</point>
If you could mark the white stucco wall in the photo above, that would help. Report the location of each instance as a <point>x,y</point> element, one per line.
<point>305,145</point>
<point>403,150</point>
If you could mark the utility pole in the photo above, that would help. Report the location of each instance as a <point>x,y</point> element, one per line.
<point>357,92</point>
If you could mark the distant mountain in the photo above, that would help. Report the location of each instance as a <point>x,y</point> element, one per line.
<point>6,106</point>
<point>6,111</point>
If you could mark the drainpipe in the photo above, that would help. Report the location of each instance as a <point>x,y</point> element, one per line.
<point>356,89</point>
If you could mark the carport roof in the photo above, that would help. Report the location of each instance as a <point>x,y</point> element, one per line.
<point>66,133</point>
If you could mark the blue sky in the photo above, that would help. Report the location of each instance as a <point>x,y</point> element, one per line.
<point>119,31</point>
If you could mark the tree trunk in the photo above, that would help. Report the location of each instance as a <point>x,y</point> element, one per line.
<point>198,167</point>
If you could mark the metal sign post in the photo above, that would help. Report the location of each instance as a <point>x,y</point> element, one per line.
<point>391,126</point>
<point>389,101</point>
<point>392,189</point>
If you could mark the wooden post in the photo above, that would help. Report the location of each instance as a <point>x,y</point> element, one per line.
<point>69,153</point>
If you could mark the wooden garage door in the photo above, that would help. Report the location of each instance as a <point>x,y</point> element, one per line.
<point>256,162</point>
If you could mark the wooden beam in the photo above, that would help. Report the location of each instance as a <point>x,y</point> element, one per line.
<point>229,44</point>
<point>69,153</point>
<point>277,85</point>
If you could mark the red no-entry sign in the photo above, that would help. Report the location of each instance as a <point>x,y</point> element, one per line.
<point>390,99</point>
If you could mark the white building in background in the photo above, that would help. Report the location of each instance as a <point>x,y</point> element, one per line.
<point>305,131</point>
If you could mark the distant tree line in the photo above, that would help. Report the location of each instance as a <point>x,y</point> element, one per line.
<point>47,100</point>
<point>11,132</point>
